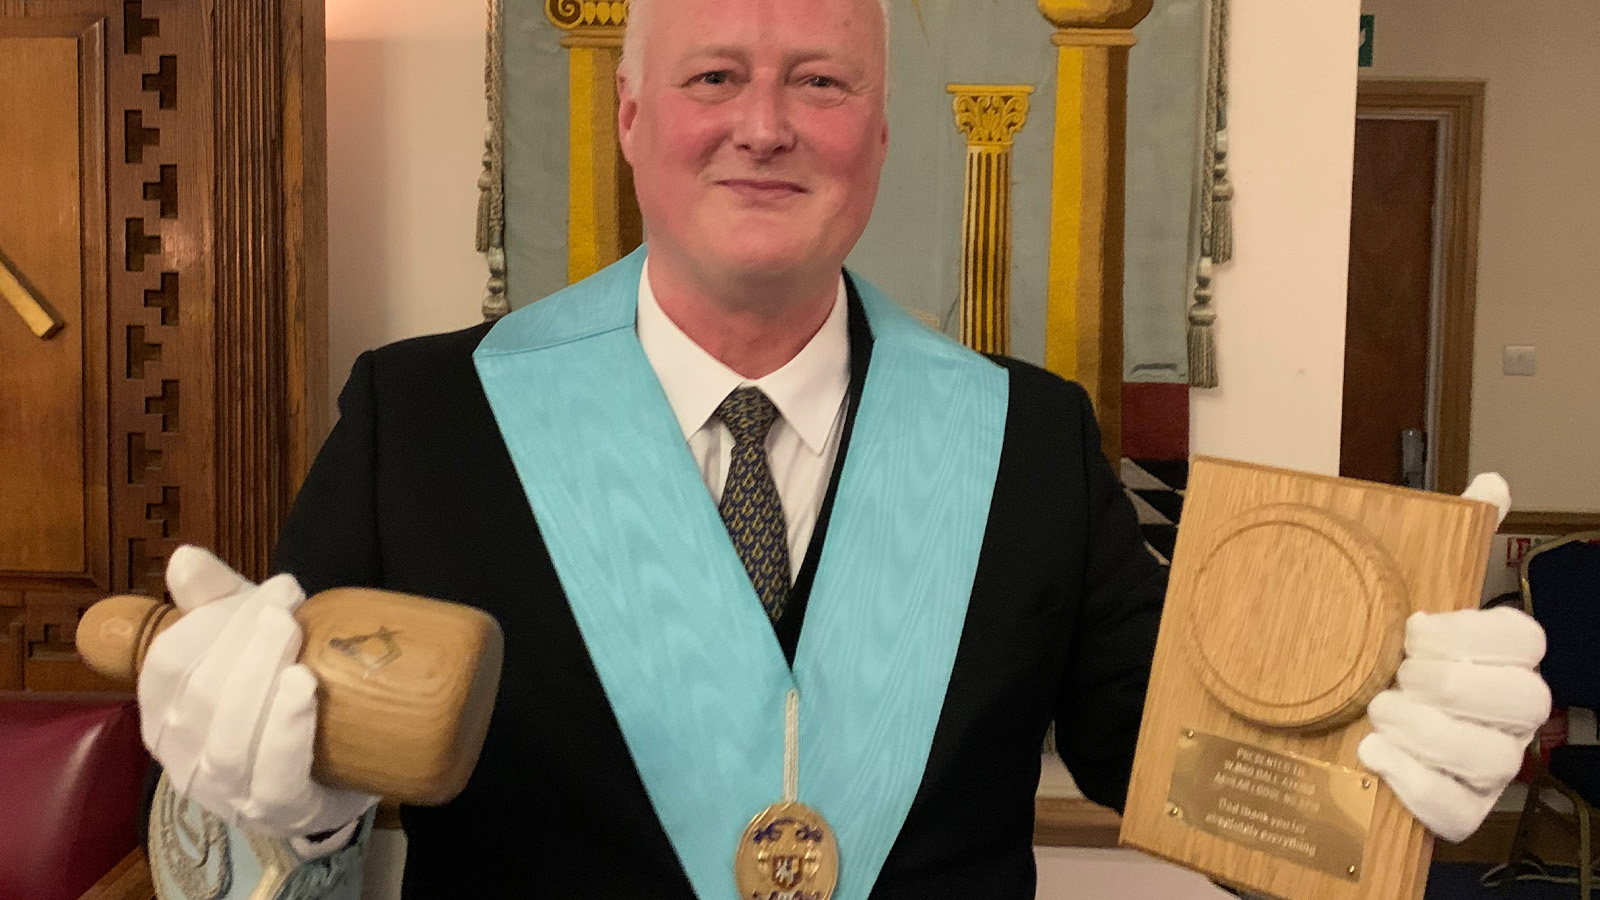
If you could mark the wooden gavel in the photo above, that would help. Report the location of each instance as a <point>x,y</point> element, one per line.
<point>406,684</point>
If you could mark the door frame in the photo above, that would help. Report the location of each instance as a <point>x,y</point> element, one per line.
<point>1459,107</point>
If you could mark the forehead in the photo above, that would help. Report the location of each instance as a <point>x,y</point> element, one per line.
<point>678,29</point>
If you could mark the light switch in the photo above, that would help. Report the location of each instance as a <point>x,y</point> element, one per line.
<point>1519,360</point>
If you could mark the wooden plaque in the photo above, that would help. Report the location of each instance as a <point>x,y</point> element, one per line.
<point>1285,615</point>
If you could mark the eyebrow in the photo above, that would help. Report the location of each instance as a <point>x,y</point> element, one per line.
<point>729,50</point>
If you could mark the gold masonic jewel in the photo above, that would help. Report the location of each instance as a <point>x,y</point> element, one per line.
<point>788,853</point>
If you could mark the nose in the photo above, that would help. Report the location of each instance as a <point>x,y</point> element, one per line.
<point>763,128</point>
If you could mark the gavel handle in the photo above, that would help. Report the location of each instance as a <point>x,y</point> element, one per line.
<point>115,633</point>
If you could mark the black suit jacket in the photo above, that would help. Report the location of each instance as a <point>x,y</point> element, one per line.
<point>414,491</point>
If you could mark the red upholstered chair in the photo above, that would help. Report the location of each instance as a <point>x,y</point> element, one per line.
<point>72,773</point>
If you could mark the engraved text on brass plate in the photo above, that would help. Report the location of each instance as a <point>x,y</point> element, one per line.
<point>1293,807</point>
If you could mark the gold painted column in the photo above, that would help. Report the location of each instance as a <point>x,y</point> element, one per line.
<point>603,221</point>
<point>989,115</point>
<point>1083,323</point>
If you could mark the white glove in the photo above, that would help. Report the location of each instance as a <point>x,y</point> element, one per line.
<point>228,713</point>
<point>1450,737</point>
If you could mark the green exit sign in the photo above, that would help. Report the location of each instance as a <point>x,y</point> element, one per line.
<point>1367,24</point>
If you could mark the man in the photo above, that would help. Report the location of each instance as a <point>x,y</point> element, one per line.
<point>922,547</point>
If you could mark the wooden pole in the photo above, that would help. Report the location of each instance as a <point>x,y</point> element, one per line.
<point>1083,321</point>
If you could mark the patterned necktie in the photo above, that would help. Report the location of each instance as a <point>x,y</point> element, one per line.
<point>750,506</point>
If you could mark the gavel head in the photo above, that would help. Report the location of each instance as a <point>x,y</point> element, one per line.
<point>407,685</point>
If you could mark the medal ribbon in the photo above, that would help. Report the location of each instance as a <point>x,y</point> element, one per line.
<point>791,747</point>
<point>681,644</point>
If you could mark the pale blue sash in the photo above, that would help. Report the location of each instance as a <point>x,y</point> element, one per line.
<point>688,660</point>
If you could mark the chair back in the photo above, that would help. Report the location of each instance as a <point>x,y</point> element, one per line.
<point>1561,589</point>
<point>72,773</point>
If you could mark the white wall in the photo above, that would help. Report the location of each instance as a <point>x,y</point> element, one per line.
<point>1281,302</point>
<point>406,116</point>
<point>1539,235</point>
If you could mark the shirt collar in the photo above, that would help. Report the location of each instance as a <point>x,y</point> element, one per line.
<point>808,390</point>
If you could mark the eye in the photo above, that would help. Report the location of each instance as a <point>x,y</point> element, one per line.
<point>715,79</point>
<point>822,81</point>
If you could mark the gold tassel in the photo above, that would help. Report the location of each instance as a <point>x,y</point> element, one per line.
<point>1221,204</point>
<point>1202,339</point>
<point>491,238</point>
<point>495,302</point>
<point>486,179</point>
<point>1222,223</point>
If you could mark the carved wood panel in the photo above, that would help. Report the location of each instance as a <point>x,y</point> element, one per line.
<point>46,468</point>
<point>12,646</point>
<point>54,392</point>
<point>199,306</point>
<point>161,424</point>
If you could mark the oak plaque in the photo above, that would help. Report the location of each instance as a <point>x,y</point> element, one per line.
<point>1285,615</point>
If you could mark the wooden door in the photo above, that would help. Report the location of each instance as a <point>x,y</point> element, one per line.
<point>161,195</point>
<point>1389,317</point>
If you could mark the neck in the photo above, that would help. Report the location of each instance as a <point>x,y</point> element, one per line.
<point>752,329</point>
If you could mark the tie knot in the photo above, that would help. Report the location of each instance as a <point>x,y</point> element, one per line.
<point>749,415</point>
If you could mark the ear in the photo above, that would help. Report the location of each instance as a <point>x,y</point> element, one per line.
<point>627,113</point>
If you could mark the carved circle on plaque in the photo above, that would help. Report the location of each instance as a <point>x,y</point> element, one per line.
<point>1297,618</point>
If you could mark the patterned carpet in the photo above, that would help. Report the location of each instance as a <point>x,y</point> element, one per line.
<point>1463,881</point>
<point>1156,488</point>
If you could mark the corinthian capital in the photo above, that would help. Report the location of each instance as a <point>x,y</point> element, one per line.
<point>990,113</point>
<point>570,14</point>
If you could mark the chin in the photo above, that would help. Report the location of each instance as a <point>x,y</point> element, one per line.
<point>763,257</point>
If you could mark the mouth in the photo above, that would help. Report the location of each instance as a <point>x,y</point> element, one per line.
<point>762,190</point>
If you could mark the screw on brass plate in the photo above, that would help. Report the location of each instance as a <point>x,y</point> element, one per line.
<point>1366,783</point>
<point>1174,811</point>
<point>1351,870</point>
<point>1188,732</point>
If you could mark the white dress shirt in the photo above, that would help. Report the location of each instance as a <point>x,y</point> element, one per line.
<point>809,392</point>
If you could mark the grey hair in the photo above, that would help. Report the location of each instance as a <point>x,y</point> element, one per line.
<point>632,65</point>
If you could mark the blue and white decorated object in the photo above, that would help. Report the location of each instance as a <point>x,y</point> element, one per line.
<point>686,655</point>
<point>194,855</point>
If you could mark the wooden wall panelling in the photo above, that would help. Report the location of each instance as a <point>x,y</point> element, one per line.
<point>12,646</point>
<point>1533,521</point>
<point>271,251</point>
<point>42,472</point>
<point>203,294</point>
<point>50,624</point>
<point>158,89</point>
<point>52,219</point>
<point>305,231</point>
<point>250,281</point>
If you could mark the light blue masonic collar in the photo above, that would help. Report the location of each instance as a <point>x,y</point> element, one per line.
<point>686,655</point>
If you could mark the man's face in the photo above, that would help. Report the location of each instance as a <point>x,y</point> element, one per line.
<point>757,134</point>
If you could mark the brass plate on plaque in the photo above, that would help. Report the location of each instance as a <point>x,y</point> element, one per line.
<point>1296,808</point>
